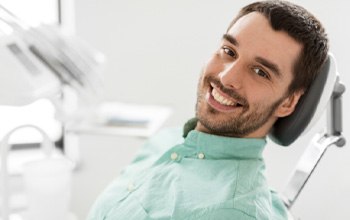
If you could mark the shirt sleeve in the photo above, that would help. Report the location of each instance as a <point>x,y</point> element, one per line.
<point>280,211</point>
<point>148,153</point>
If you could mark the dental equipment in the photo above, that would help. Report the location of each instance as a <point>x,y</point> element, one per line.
<point>44,63</point>
<point>325,92</point>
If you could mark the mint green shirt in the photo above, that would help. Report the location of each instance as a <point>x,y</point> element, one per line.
<point>200,177</point>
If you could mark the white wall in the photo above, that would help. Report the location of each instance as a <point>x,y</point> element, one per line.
<point>156,49</point>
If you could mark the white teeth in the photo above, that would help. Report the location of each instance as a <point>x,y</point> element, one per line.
<point>222,100</point>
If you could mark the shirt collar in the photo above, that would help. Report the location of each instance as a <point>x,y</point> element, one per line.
<point>220,147</point>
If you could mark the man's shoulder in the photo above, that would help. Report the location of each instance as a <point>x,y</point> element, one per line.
<point>159,143</point>
<point>166,137</point>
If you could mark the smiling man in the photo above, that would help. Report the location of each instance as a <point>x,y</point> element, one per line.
<point>267,59</point>
<point>244,86</point>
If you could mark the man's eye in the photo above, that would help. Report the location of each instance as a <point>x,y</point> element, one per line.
<point>261,73</point>
<point>229,51</point>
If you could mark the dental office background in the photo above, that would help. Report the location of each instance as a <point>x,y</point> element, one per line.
<point>155,50</point>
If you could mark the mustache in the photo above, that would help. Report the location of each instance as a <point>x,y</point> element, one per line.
<point>230,92</point>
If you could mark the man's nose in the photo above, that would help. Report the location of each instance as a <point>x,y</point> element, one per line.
<point>232,75</point>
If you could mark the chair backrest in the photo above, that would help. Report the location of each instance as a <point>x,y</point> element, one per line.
<point>325,91</point>
<point>309,108</point>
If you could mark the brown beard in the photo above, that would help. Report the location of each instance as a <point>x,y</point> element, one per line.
<point>235,125</point>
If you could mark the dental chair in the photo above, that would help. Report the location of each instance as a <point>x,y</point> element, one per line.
<point>325,92</point>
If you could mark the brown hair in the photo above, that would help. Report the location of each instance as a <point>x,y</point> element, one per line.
<point>302,26</point>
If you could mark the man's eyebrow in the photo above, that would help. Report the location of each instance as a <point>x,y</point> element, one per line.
<point>230,39</point>
<point>273,67</point>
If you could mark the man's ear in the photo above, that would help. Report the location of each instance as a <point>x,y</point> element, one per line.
<point>288,104</point>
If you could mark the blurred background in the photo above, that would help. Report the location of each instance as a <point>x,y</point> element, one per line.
<point>154,52</point>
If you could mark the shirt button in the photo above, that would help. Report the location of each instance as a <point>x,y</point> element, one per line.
<point>131,187</point>
<point>173,156</point>
<point>201,156</point>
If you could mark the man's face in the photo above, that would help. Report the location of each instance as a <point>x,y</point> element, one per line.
<point>243,88</point>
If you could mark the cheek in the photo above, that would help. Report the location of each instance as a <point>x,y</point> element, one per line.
<point>260,99</point>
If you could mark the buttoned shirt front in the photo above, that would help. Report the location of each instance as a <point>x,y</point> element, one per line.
<point>200,177</point>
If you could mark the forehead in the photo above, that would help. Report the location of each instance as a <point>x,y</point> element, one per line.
<point>256,38</point>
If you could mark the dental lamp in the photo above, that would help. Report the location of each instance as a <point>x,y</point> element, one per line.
<point>41,63</point>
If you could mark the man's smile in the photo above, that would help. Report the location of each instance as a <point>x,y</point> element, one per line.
<point>221,101</point>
